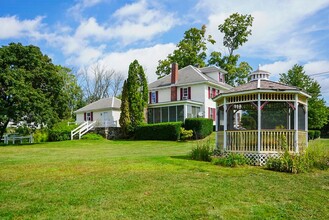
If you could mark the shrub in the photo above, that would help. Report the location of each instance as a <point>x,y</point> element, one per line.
<point>231,160</point>
<point>61,131</point>
<point>92,136</point>
<point>23,130</point>
<point>202,127</point>
<point>40,135</point>
<point>317,134</point>
<point>159,131</point>
<point>201,152</point>
<point>311,134</point>
<point>319,155</point>
<point>185,134</point>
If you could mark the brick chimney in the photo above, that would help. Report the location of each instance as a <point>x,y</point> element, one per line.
<point>174,73</point>
<point>174,79</point>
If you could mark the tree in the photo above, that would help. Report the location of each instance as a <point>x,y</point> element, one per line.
<point>236,31</point>
<point>317,110</point>
<point>137,93</point>
<point>124,120</point>
<point>116,85</point>
<point>190,51</point>
<point>31,87</point>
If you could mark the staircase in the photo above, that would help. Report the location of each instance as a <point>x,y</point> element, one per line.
<point>82,129</point>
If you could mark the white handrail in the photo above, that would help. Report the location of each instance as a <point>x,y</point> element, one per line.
<point>76,130</point>
<point>82,129</point>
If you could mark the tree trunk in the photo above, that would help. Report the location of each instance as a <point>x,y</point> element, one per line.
<point>3,128</point>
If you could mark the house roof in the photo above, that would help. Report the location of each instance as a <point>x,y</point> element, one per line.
<point>188,75</point>
<point>106,103</point>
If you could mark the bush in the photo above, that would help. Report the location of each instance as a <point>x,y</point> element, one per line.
<point>201,152</point>
<point>202,127</point>
<point>317,134</point>
<point>231,160</point>
<point>92,136</point>
<point>319,155</point>
<point>61,131</point>
<point>23,130</point>
<point>159,131</point>
<point>40,135</point>
<point>311,134</point>
<point>185,134</point>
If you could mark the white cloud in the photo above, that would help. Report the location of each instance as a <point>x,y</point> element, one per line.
<point>77,9</point>
<point>12,27</point>
<point>147,57</point>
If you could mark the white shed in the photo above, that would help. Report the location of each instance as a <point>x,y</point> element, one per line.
<point>106,112</point>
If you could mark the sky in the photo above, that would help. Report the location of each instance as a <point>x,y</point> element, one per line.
<point>79,33</point>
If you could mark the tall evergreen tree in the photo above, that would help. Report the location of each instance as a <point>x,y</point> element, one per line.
<point>137,93</point>
<point>124,120</point>
<point>317,110</point>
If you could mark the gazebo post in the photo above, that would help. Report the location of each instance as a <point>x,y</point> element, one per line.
<point>259,126</point>
<point>306,122</point>
<point>296,123</point>
<point>225,123</point>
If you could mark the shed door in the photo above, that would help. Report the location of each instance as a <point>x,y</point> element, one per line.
<point>105,119</point>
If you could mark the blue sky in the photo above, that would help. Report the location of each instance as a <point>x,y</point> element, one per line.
<point>80,33</point>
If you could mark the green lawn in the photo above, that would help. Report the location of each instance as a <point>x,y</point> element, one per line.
<point>148,180</point>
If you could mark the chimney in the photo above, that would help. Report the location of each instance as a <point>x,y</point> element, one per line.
<point>174,79</point>
<point>174,73</point>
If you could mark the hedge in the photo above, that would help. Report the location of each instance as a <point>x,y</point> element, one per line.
<point>61,132</point>
<point>313,134</point>
<point>202,127</point>
<point>159,131</point>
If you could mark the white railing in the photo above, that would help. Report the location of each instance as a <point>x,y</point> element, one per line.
<point>82,129</point>
<point>271,140</point>
<point>13,138</point>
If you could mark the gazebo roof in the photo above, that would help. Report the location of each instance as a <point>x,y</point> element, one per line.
<point>262,85</point>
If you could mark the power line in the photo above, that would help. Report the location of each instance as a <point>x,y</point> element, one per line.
<point>317,74</point>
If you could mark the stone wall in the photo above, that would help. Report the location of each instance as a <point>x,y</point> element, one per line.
<point>109,132</point>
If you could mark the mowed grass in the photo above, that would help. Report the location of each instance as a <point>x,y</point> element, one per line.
<point>148,180</point>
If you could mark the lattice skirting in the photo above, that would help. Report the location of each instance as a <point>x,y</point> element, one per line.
<point>256,159</point>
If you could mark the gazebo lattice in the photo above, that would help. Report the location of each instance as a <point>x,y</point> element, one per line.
<point>262,119</point>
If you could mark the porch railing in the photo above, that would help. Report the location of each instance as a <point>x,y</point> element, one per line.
<point>271,140</point>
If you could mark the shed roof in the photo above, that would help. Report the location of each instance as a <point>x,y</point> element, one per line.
<point>106,103</point>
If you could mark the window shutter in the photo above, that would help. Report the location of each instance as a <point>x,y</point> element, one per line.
<point>214,114</point>
<point>85,116</point>
<point>213,92</point>
<point>208,92</point>
<point>181,93</point>
<point>91,116</point>
<point>189,92</point>
<point>150,97</point>
<point>156,97</point>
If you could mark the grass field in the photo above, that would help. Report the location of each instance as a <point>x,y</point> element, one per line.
<point>148,180</point>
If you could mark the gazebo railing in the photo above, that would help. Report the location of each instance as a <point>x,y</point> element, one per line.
<point>271,140</point>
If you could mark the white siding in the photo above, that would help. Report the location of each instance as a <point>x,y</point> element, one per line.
<point>164,95</point>
<point>103,117</point>
<point>214,76</point>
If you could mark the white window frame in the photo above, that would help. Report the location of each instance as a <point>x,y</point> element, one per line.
<point>153,97</point>
<point>185,93</point>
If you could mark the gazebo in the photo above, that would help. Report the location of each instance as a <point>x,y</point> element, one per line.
<point>261,119</point>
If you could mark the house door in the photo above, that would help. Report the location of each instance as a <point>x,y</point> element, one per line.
<point>105,119</point>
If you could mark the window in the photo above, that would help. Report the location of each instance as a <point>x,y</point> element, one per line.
<point>185,93</point>
<point>172,113</point>
<point>154,97</point>
<point>212,113</point>
<point>89,116</point>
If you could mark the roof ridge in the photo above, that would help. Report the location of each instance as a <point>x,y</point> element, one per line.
<point>199,72</point>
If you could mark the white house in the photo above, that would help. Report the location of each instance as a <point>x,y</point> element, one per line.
<point>106,112</point>
<point>186,93</point>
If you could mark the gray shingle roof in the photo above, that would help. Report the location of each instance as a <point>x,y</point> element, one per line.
<point>264,84</point>
<point>106,103</point>
<point>187,75</point>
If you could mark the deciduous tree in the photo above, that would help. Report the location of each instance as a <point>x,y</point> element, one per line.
<point>317,110</point>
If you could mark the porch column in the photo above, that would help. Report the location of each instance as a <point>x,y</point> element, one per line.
<point>225,123</point>
<point>185,111</point>
<point>259,124</point>
<point>217,122</point>
<point>296,123</point>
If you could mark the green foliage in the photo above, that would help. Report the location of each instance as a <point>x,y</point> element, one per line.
<point>32,87</point>
<point>202,127</point>
<point>311,134</point>
<point>124,120</point>
<point>248,122</point>
<point>317,111</point>
<point>191,50</point>
<point>23,130</point>
<point>236,31</point>
<point>137,91</point>
<point>230,160</point>
<point>92,136</point>
<point>318,154</point>
<point>40,135</point>
<point>202,151</point>
<point>60,131</point>
<point>185,134</point>
<point>159,131</point>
